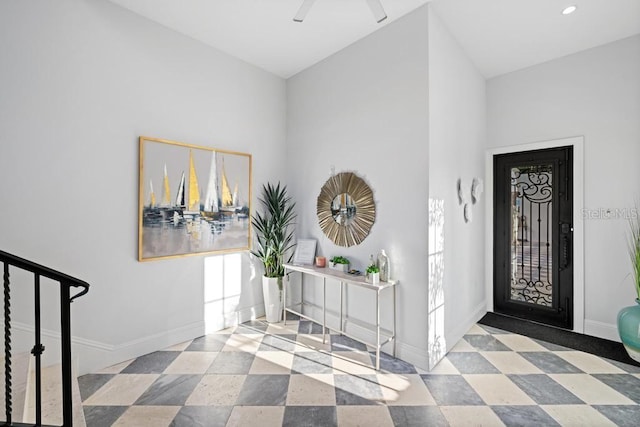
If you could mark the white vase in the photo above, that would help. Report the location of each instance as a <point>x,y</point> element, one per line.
<point>373,278</point>
<point>272,299</point>
<point>384,265</point>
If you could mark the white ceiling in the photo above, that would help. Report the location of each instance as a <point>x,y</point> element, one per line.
<point>498,35</point>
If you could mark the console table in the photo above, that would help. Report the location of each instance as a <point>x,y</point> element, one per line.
<point>345,279</point>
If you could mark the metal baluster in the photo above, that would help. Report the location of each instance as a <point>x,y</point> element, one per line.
<point>7,345</point>
<point>65,318</point>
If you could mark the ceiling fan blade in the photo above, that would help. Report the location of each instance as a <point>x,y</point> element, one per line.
<point>377,10</point>
<point>304,9</point>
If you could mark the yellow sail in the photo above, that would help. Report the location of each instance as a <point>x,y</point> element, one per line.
<point>227,198</point>
<point>194,191</point>
<point>166,197</point>
<point>152,196</point>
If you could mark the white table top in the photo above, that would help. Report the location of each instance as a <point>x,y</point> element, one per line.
<point>329,273</point>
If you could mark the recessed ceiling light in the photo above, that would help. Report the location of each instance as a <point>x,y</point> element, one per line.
<point>569,10</point>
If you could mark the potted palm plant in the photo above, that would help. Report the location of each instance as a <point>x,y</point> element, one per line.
<point>629,317</point>
<point>274,241</point>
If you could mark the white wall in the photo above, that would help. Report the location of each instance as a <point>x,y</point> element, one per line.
<point>595,93</point>
<point>365,109</point>
<point>81,80</point>
<point>457,131</point>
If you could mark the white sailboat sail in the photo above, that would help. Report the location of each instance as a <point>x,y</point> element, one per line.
<point>211,200</point>
<point>180,196</point>
<point>227,198</point>
<point>235,195</point>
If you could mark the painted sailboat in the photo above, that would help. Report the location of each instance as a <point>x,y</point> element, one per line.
<point>166,190</point>
<point>192,210</point>
<point>152,195</point>
<point>228,202</point>
<point>210,208</point>
<point>180,201</point>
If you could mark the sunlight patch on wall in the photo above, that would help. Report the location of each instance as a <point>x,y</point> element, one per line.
<point>222,288</point>
<point>437,343</point>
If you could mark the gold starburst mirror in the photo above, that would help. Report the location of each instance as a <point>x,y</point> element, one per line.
<point>346,209</point>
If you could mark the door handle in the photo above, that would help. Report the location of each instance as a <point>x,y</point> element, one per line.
<point>565,229</point>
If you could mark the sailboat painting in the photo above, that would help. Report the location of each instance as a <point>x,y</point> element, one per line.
<point>205,203</point>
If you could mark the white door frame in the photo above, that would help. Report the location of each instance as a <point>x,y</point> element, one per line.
<point>577,142</point>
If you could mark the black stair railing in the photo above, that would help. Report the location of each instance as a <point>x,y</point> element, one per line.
<point>66,282</point>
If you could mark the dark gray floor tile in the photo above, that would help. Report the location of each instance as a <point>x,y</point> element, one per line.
<point>524,416</point>
<point>210,416</point>
<point>264,390</point>
<point>102,416</point>
<point>153,363</point>
<point>252,327</point>
<point>90,383</point>
<point>352,390</point>
<point>169,390</point>
<point>291,316</point>
<point>471,363</point>
<point>310,416</point>
<point>544,390</point>
<point>485,343</point>
<point>626,384</point>
<point>278,343</point>
<point>552,347</point>
<point>213,342</point>
<point>632,369</point>
<point>232,362</point>
<point>392,365</point>
<point>344,343</point>
<point>550,363</point>
<point>449,390</point>
<point>312,362</point>
<point>309,327</point>
<point>621,415</point>
<point>417,416</point>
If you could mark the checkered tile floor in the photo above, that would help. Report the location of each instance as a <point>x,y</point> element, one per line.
<point>260,374</point>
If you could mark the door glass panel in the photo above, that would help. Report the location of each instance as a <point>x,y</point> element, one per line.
<point>531,220</point>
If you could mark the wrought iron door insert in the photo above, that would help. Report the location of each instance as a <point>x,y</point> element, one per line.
<point>532,244</point>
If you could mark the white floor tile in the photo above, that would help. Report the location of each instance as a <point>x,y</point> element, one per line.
<point>509,362</point>
<point>497,389</point>
<point>577,415</point>
<point>468,416</point>
<point>589,363</point>
<point>590,390</point>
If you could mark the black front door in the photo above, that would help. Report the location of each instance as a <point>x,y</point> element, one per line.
<point>533,239</point>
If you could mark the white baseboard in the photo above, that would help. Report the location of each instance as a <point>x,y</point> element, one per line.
<point>91,356</point>
<point>457,332</point>
<point>601,330</point>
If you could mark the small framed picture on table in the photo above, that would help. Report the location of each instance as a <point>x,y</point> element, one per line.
<point>305,252</point>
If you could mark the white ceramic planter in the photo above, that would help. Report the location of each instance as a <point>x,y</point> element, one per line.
<point>272,299</point>
<point>373,278</point>
<point>340,267</point>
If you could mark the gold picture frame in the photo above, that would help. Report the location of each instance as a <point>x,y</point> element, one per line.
<point>346,209</point>
<point>208,212</point>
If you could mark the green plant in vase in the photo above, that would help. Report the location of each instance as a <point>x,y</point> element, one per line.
<point>274,240</point>
<point>373,274</point>
<point>629,317</point>
<point>634,249</point>
<point>339,263</point>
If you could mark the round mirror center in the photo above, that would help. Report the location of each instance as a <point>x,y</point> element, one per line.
<point>343,209</point>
